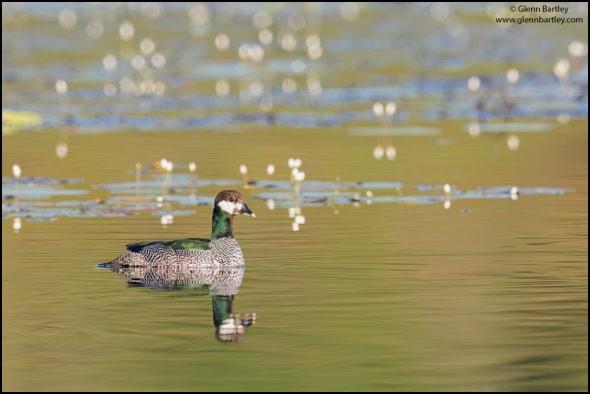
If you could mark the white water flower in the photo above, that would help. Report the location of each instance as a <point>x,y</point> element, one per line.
<point>16,171</point>
<point>378,152</point>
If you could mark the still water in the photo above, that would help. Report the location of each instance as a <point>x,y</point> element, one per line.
<point>391,281</point>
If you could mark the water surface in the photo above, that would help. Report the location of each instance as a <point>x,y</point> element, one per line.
<point>488,293</point>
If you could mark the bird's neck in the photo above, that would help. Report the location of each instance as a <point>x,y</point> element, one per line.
<point>222,308</point>
<point>222,224</point>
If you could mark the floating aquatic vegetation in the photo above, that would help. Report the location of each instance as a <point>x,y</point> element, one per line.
<point>520,127</point>
<point>37,187</point>
<point>10,192</point>
<point>296,193</point>
<point>39,180</point>
<point>377,185</point>
<point>503,190</point>
<point>164,192</point>
<point>46,211</point>
<point>23,195</point>
<point>174,212</point>
<point>17,121</point>
<point>295,199</point>
<point>290,199</point>
<point>311,185</point>
<point>174,181</point>
<point>395,131</point>
<point>154,203</point>
<point>425,188</point>
<point>42,219</point>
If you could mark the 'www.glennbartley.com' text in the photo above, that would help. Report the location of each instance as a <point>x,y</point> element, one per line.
<point>538,19</point>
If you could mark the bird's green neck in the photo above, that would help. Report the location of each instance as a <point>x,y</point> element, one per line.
<point>222,224</point>
<point>222,308</point>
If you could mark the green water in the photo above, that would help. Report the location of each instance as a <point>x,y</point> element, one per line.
<point>486,295</point>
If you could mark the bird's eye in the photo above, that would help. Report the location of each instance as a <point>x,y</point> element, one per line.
<point>232,199</point>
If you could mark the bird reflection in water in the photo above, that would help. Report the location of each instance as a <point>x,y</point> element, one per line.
<point>222,283</point>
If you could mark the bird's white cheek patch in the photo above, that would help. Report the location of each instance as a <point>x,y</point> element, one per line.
<point>230,207</point>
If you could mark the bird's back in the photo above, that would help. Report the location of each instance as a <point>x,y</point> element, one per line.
<point>199,251</point>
